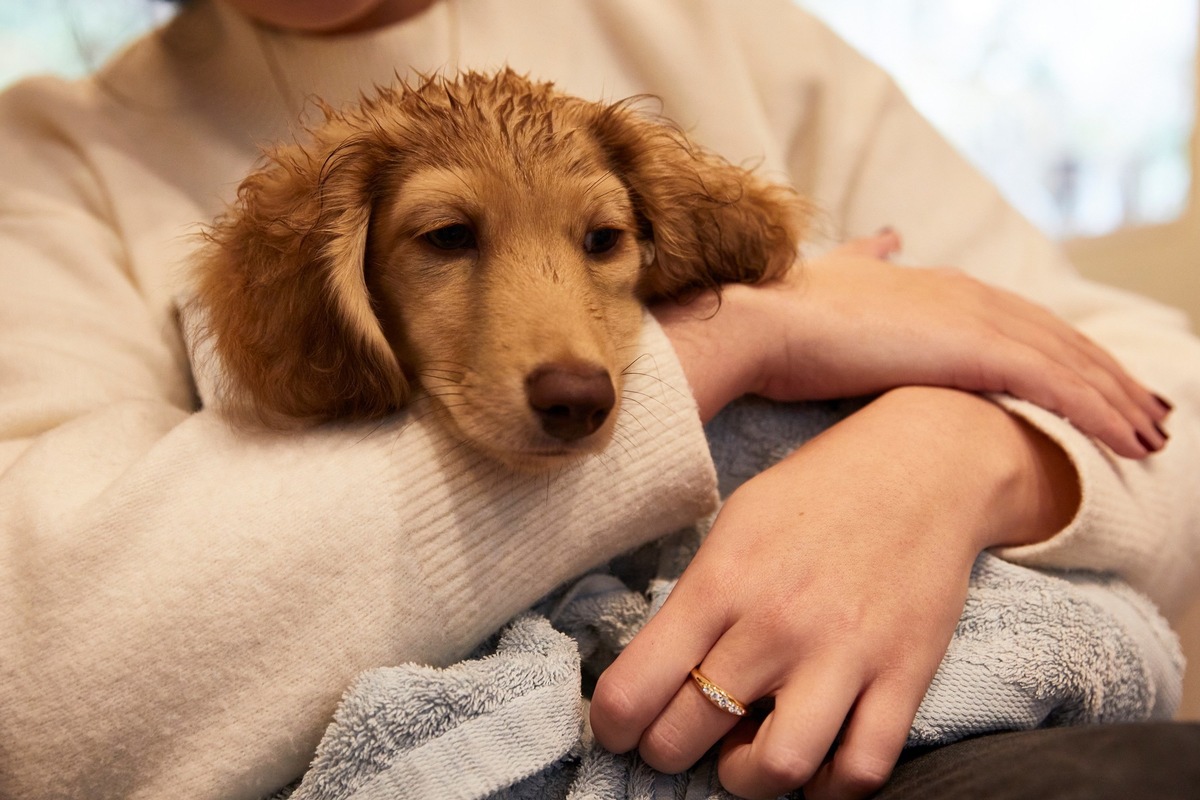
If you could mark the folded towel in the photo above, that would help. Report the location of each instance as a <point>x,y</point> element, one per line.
<point>1032,648</point>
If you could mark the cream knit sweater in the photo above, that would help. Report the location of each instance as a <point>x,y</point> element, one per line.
<point>181,605</point>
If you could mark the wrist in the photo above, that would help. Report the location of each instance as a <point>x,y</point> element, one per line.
<point>718,344</point>
<point>1021,486</point>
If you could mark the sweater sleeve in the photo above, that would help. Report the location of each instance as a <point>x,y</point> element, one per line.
<point>182,603</point>
<point>870,160</point>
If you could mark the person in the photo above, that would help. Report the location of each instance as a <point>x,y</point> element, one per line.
<point>182,603</point>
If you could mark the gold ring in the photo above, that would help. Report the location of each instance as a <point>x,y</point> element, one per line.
<point>718,696</point>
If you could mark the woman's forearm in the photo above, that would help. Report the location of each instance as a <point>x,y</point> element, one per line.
<point>1023,484</point>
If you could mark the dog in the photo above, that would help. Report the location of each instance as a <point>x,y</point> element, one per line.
<point>485,240</point>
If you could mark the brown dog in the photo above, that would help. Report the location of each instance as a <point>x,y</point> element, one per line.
<point>486,239</point>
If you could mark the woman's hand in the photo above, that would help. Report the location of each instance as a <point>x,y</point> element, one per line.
<point>832,582</point>
<point>851,323</point>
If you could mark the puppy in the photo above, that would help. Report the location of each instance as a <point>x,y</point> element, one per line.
<point>486,240</point>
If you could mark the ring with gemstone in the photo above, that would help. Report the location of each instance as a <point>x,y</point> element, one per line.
<point>718,696</point>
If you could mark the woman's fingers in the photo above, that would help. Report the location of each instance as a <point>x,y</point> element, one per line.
<point>1060,389</point>
<point>883,245</point>
<point>749,661</point>
<point>1055,366</point>
<point>788,748</point>
<point>822,703</point>
<point>942,327</point>
<point>871,743</point>
<point>1032,364</point>
<point>691,724</point>
<point>1054,327</point>
<point>648,676</point>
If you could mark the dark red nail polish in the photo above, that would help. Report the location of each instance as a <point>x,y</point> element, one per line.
<point>1144,442</point>
<point>1162,402</point>
<point>1161,432</point>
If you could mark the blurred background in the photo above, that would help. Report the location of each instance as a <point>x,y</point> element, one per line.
<point>1084,114</point>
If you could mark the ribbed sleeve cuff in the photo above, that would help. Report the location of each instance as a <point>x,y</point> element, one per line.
<point>1116,529</point>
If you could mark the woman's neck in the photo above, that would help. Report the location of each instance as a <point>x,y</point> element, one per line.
<point>387,12</point>
<point>329,17</point>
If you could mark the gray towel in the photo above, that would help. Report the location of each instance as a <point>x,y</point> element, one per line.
<point>1031,649</point>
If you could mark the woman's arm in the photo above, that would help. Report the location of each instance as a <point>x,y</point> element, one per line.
<point>832,582</point>
<point>850,323</point>
<point>886,165</point>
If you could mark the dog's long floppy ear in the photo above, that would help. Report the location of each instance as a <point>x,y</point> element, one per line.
<point>710,222</point>
<point>282,287</point>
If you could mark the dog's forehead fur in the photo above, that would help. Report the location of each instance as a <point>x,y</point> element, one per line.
<point>476,118</point>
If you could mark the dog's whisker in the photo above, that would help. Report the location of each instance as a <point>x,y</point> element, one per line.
<point>624,437</point>
<point>643,401</point>
<point>458,446</point>
<point>654,375</point>
<point>619,441</point>
<point>609,462</point>
<point>656,396</point>
<point>444,366</point>
<point>659,382</point>
<point>635,402</point>
<point>449,406</point>
<point>374,429</point>
<point>451,362</point>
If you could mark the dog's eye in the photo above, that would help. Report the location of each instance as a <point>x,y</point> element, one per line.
<point>601,240</point>
<point>452,237</point>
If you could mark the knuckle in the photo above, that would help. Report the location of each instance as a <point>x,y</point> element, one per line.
<point>613,705</point>
<point>662,748</point>
<point>780,625</point>
<point>785,767</point>
<point>861,774</point>
<point>1070,382</point>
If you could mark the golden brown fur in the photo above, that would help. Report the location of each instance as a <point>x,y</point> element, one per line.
<point>329,293</point>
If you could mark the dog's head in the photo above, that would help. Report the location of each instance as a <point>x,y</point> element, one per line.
<point>487,239</point>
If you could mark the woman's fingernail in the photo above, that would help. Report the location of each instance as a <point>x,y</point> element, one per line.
<point>1161,432</point>
<point>1163,402</point>
<point>1145,443</point>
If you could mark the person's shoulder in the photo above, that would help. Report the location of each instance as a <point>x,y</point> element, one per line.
<point>43,93</point>
<point>44,110</point>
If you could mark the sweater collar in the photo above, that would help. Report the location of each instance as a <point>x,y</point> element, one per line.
<point>267,78</point>
<point>338,68</point>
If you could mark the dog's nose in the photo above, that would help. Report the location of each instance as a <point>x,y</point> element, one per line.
<point>572,400</point>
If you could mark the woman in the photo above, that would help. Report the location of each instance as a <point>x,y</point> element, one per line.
<point>184,603</point>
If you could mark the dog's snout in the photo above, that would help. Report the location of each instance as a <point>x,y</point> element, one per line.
<point>572,400</point>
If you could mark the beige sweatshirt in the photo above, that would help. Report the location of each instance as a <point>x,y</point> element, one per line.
<point>181,605</point>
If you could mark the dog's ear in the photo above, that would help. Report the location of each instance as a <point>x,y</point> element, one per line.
<point>282,287</point>
<point>710,222</point>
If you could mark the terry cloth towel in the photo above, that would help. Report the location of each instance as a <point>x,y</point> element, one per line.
<point>1032,649</point>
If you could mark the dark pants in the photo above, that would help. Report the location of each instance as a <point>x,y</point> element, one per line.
<point>1155,761</point>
